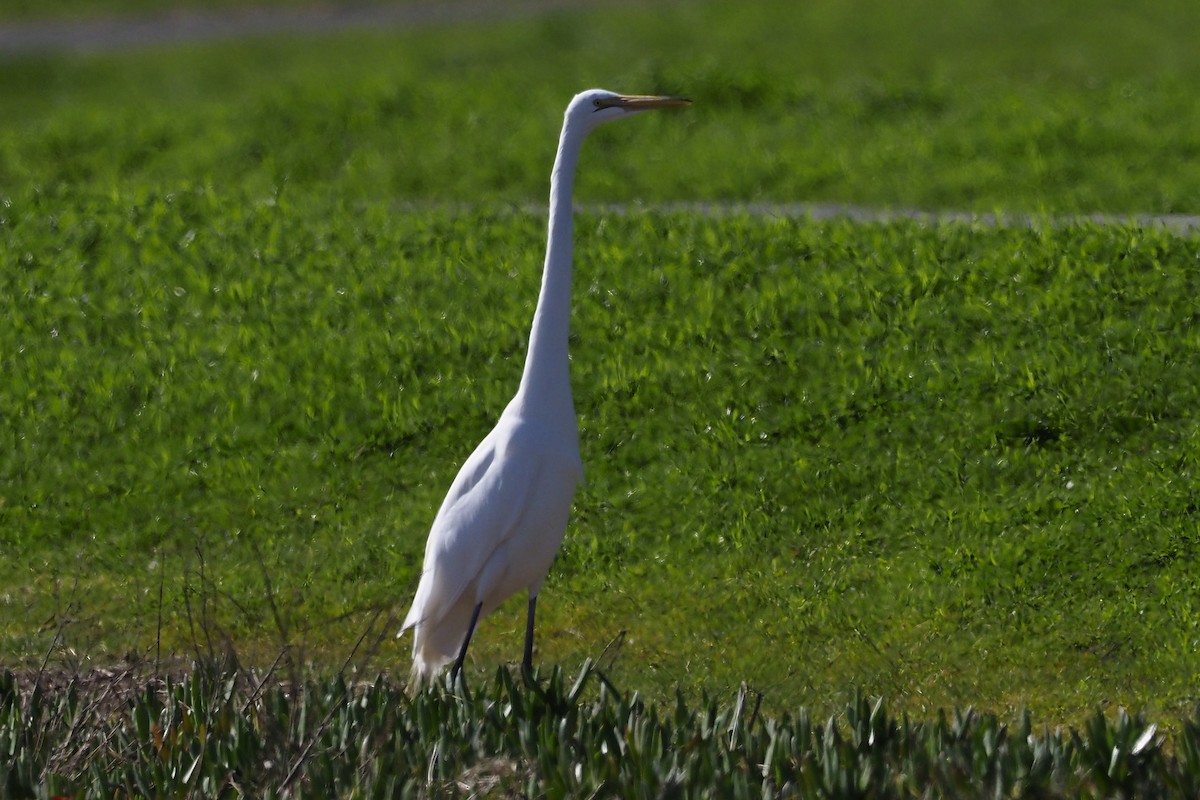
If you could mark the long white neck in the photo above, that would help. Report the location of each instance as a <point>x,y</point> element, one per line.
<point>546,383</point>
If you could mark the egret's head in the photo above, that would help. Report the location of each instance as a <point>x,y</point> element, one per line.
<point>596,106</point>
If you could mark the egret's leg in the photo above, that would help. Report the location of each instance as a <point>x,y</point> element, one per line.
<point>462,653</point>
<point>527,664</point>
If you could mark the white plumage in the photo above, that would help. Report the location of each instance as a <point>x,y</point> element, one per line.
<point>503,519</point>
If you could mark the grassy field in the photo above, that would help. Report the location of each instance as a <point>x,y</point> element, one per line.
<point>261,298</point>
<point>1064,107</point>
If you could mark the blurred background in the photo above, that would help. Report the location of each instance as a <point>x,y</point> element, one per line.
<point>1028,106</point>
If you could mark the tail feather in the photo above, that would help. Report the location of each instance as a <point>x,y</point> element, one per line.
<point>426,667</point>
<point>436,640</point>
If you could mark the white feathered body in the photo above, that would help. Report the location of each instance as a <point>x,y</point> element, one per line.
<point>496,533</point>
<point>506,513</point>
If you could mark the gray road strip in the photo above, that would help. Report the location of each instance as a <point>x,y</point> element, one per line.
<point>195,25</point>
<point>1176,223</point>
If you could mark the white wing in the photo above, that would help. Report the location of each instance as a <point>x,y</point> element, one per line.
<point>496,532</point>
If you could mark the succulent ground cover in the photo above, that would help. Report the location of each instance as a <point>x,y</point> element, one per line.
<point>221,732</point>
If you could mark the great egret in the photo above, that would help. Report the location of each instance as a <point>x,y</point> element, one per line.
<point>506,512</point>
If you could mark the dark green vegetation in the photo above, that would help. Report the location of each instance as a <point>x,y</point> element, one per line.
<point>230,734</point>
<point>260,299</point>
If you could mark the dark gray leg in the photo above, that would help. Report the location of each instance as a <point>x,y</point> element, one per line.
<point>462,653</point>
<point>527,664</point>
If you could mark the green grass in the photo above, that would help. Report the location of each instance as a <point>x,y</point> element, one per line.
<point>786,422</point>
<point>1059,107</point>
<point>262,298</point>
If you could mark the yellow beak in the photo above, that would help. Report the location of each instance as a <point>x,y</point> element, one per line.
<point>643,102</point>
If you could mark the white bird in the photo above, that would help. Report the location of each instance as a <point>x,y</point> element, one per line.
<point>506,512</point>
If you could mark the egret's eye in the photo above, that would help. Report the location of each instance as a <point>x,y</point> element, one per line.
<point>596,102</point>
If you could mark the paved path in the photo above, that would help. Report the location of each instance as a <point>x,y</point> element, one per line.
<point>198,25</point>
<point>1176,223</point>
